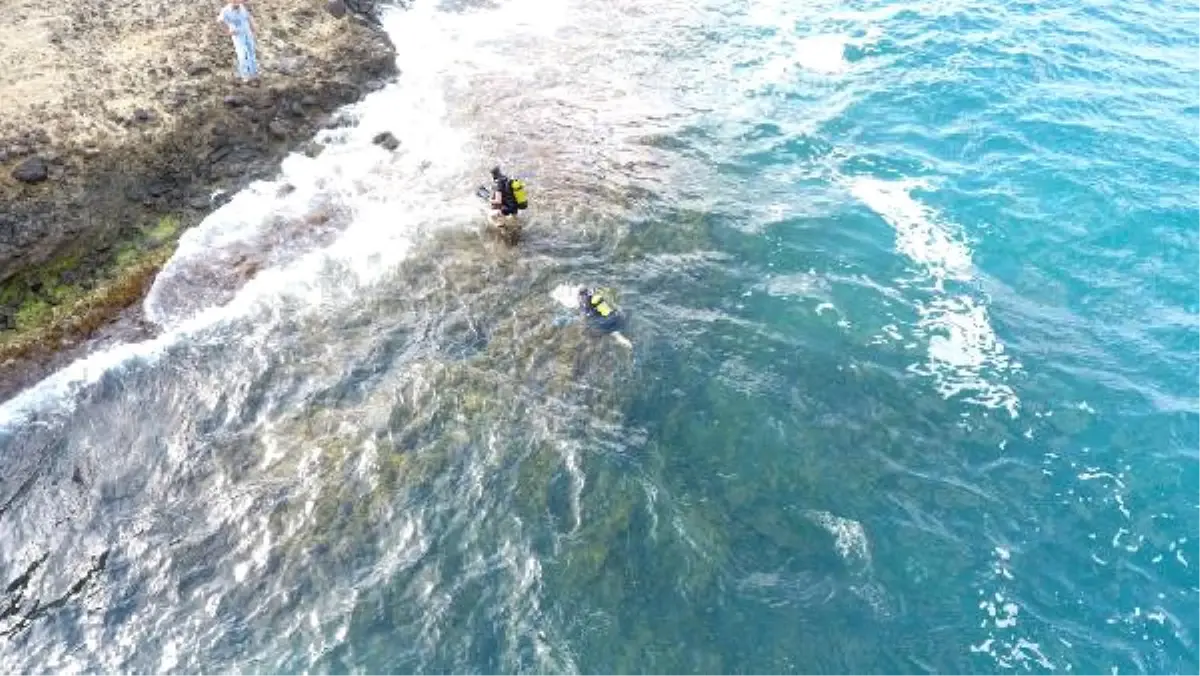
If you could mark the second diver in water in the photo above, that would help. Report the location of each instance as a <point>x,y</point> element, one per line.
<point>600,311</point>
<point>597,306</point>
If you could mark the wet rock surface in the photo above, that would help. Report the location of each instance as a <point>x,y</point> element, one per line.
<point>32,170</point>
<point>386,140</point>
<point>116,138</point>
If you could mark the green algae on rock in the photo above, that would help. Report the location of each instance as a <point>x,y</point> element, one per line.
<point>52,312</point>
<point>132,151</point>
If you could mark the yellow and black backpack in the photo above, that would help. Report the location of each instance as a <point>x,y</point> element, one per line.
<point>518,191</point>
<point>599,302</point>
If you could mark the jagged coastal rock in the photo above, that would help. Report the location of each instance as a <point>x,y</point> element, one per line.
<point>121,119</point>
<point>386,140</point>
<point>31,170</point>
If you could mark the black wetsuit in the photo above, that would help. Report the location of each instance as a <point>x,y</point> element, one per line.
<point>595,318</point>
<point>585,303</point>
<point>508,201</point>
<point>592,310</point>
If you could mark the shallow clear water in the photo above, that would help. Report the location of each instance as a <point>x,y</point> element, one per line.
<point>912,293</point>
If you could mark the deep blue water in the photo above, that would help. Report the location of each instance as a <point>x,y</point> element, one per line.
<point>913,297</point>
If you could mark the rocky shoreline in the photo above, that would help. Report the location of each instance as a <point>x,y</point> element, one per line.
<point>120,122</point>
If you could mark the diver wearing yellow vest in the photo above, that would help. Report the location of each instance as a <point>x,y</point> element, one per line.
<point>594,304</point>
<point>602,313</point>
<point>508,197</point>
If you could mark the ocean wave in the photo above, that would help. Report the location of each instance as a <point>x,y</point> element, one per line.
<point>964,353</point>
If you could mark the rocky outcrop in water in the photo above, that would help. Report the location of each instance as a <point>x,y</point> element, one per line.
<point>32,170</point>
<point>386,140</point>
<point>120,116</point>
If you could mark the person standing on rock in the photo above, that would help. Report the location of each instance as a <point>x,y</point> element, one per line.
<point>237,20</point>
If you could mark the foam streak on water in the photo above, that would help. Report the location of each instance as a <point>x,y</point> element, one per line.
<point>964,354</point>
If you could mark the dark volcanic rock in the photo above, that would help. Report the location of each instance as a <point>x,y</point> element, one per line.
<point>341,90</point>
<point>291,65</point>
<point>190,135</point>
<point>32,170</point>
<point>158,188</point>
<point>386,140</point>
<point>219,153</point>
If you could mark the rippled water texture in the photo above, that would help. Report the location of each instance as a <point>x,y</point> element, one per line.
<point>912,297</point>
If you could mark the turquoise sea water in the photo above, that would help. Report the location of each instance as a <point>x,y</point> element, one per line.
<point>912,291</point>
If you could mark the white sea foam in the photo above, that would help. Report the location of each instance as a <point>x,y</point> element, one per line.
<point>850,541</point>
<point>810,38</point>
<point>1001,621</point>
<point>329,223</point>
<point>566,295</point>
<point>964,354</point>
<point>849,538</point>
<point>823,53</point>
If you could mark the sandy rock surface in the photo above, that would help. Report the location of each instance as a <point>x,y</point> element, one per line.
<point>117,115</point>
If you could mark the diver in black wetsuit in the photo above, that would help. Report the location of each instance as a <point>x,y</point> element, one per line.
<point>596,305</point>
<point>504,201</point>
<point>602,314</point>
<point>507,197</point>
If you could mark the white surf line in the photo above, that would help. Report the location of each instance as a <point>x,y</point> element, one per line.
<point>964,354</point>
<point>352,172</point>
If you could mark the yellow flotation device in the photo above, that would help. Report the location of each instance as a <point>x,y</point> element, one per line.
<point>600,305</point>
<point>518,191</point>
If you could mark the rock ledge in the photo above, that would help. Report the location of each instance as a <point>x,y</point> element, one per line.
<point>120,116</point>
